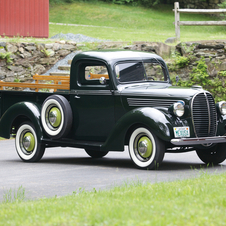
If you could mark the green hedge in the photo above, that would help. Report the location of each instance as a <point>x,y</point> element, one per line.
<point>146,3</point>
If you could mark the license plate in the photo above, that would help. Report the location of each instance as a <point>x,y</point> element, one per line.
<point>181,131</point>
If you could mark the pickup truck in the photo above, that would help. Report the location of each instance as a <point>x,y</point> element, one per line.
<point>115,98</point>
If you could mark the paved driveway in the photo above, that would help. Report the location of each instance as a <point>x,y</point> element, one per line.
<point>64,170</point>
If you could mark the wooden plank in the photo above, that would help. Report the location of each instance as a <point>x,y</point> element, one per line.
<point>94,76</point>
<point>203,23</point>
<point>51,78</point>
<point>177,21</point>
<point>34,85</point>
<point>201,11</point>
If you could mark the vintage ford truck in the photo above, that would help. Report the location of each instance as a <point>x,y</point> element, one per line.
<point>112,99</point>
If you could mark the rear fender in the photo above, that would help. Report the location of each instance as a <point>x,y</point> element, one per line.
<point>151,118</point>
<point>16,114</point>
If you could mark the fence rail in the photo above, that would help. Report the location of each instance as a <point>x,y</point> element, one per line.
<point>179,23</point>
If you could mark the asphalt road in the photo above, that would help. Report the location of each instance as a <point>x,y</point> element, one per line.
<point>64,170</point>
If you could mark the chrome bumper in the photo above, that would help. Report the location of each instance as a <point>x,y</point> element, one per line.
<point>201,140</point>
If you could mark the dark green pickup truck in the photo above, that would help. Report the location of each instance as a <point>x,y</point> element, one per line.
<point>117,98</point>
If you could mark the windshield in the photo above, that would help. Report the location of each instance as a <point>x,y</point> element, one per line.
<point>140,71</point>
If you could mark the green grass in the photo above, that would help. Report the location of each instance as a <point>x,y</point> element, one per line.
<point>128,23</point>
<point>200,201</point>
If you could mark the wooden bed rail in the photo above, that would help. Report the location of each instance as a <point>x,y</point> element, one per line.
<point>60,82</point>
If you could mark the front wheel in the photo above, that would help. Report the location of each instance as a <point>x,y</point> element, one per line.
<point>213,155</point>
<point>27,144</point>
<point>145,149</point>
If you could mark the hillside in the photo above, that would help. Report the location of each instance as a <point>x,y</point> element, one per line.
<point>127,23</point>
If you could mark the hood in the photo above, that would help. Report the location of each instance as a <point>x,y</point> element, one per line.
<point>159,90</point>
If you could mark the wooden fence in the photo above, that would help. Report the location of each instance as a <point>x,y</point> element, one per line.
<point>178,23</point>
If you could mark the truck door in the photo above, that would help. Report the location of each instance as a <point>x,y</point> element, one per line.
<point>92,102</point>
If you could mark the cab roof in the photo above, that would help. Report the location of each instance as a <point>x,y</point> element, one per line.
<point>115,55</point>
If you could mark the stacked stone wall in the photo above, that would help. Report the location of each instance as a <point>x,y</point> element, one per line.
<point>28,59</point>
<point>213,53</point>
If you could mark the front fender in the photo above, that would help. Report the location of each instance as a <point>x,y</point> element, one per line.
<point>152,118</point>
<point>29,111</point>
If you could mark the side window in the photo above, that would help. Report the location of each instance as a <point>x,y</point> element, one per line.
<point>95,72</point>
<point>90,73</point>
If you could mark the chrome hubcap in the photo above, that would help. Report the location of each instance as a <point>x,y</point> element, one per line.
<point>145,147</point>
<point>54,117</point>
<point>28,142</point>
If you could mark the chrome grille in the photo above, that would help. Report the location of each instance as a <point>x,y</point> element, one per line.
<point>204,115</point>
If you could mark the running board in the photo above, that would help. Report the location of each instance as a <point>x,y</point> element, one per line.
<point>91,145</point>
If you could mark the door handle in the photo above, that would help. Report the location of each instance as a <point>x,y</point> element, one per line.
<point>77,97</point>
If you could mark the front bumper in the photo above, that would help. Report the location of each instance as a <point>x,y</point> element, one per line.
<point>200,140</point>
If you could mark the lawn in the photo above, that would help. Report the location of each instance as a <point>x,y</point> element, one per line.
<point>128,23</point>
<point>200,201</point>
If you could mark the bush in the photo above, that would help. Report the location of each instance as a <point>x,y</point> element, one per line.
<point>222,6</point>
<point>146,3</point>
<point>200,76</point>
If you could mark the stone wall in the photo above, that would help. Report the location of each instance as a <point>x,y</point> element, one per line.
<point>197,4</point>
<point>213,52</point>
<point>28,59</point>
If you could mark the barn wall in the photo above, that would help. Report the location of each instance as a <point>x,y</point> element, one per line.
<point>27,18</point>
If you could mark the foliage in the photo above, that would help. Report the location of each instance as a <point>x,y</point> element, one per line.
<point>223,6</point>
<point>200,76</point>
<point>46,52</point>
<point>181,61</point>
<point>200,201</point>
<point>7,57</point>
<point>16,80</point>
<point>146,3</point>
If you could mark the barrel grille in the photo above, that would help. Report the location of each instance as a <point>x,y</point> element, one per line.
<point>204,115</point>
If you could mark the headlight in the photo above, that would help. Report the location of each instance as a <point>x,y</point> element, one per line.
<point>222,107</point>
<point>178,108</point>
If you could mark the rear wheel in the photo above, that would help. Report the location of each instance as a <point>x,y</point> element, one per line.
<point>213,155</point>
<point>145,149</point>
<point>96,154</point>
<point>27,144</point>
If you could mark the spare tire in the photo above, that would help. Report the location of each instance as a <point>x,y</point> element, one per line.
<point>56,116</point>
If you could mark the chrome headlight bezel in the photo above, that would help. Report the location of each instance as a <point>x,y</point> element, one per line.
<point>222,107</point>
<point>178,108</point>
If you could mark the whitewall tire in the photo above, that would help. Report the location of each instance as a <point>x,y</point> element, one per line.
<point>145,149</point>
<point>27,144</point>
<point>56,116</point>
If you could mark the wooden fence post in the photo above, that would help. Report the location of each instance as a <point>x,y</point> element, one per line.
<point>177,20</point>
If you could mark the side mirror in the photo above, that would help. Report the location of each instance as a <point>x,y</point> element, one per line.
<point>177,79</point>
<point>103,81</point>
